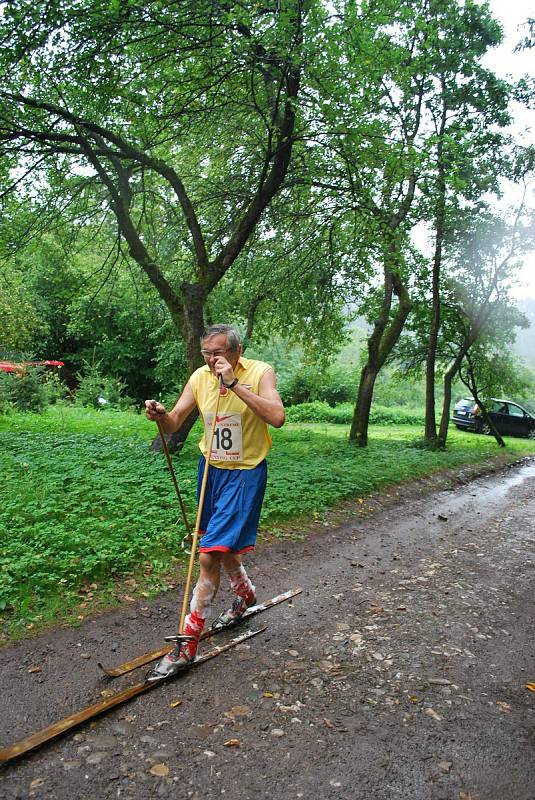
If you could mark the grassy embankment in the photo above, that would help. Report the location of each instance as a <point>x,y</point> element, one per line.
<point>88,514</point>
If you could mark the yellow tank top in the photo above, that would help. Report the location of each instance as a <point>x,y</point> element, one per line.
<point>241,439</point>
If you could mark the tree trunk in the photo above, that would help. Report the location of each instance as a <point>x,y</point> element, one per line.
<point>194,302</point>
<point>470,382</point>
<point>445,417</point>
<point>449,375</point>
<point>361,414</point>
<point>380,344</point>
<point>430,421</point>
<point>488,420</point>
<point>430,433</point>
<point>192,326</point>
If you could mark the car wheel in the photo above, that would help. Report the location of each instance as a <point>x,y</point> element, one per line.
<point>531,433</point>
<point>485,428</point>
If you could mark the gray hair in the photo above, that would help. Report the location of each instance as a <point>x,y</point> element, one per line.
<point>233,337</point>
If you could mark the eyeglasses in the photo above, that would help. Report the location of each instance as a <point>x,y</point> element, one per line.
<point>214,353</point>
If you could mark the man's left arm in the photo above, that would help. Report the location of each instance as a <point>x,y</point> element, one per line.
<point>267,403</point>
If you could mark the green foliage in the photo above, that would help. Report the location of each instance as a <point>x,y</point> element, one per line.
<point>171,369</point>
<point>342,414</point>
<point>318,411</point>
<point>121,322</point>
<point>6,379</point>
<point>100,391</point>
<point>340,386</point>
<point>300,387</point>
<point>84,500</point>
<point>199,124</point>
<point>31,389</point>
<point>20,322</point>
<point>204,119</point>
<point>78,513</point>
<point>394,388</point>
<point>55,389</point>
<point>24,390</point>
<point>332,386</point>
<point>302,378</point>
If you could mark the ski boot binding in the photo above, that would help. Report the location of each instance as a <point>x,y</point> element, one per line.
<point>179,659</point>
<point>234,614</point>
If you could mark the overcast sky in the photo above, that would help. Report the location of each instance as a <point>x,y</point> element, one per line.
<point>506,63</point>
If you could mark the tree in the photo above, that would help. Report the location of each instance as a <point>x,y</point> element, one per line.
<point>386,136</point>
<point>466,105</point>
<point>73,303</point>
<point>19,323</point>
<point>480,311</point>
<point>175,121</point>
<point>372,161</point>
<point>528,42</point>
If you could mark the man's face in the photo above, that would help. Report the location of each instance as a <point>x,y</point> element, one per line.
<point>216,347</point>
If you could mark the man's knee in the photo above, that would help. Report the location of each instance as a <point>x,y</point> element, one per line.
<point>231,562</point>
<point>210,562</point>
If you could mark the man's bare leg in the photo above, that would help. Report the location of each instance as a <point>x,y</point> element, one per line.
<point>240,585</point>
<point>203,595</point>
<point>202,598</point>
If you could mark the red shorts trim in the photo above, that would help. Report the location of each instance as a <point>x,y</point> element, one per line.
<point>218,548</point>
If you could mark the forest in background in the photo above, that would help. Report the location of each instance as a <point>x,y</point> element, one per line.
<point>166,166</point>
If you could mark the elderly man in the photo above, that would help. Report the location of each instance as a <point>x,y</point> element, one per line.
<point>248,403</point>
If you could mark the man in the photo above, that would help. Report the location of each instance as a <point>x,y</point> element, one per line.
<point>248,402</point>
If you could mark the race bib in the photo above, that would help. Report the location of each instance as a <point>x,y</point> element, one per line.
<point>227,443</point>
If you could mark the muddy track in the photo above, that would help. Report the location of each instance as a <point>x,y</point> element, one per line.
<point>399,672</point>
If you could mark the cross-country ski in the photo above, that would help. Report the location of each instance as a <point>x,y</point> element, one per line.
<point>147,658</point>
<point>96,709</point>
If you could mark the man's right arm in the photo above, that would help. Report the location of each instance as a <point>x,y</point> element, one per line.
<point>172,420</point>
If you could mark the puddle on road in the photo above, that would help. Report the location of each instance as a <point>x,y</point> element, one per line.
<point>483,495</point>
<point>501,485</point>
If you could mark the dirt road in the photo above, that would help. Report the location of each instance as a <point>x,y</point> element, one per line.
<point>399,672</point>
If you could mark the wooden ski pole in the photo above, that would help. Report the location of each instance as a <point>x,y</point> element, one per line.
<point>200,506</point>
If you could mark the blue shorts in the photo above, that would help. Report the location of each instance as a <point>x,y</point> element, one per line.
<point>232,504</point>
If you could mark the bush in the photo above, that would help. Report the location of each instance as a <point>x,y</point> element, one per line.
<point>381,415</point>
<point>320,412</point>
<point>340,386</point>
<point>100,391</point>
<point>334,386</point>
<point>55,389</point>
<point>343,414</point>
<point>299,387</point>
<point>23,390</point>
<point>5,392</point>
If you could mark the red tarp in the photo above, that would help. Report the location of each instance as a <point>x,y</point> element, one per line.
<point>10,366</point>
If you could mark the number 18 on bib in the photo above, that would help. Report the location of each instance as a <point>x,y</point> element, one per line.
<point>227,442</point>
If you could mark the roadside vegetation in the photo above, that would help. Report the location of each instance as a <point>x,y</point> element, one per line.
<point>90,517</point>
<point>272,166</point>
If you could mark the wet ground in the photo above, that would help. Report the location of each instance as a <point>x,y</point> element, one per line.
<point>399,672</point>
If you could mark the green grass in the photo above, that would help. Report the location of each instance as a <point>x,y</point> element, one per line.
<point>83,500</point>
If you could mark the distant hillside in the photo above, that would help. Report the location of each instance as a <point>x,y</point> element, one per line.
<point>525,343</point>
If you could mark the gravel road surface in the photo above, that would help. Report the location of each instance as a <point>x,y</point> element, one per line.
<point>399,672</point>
